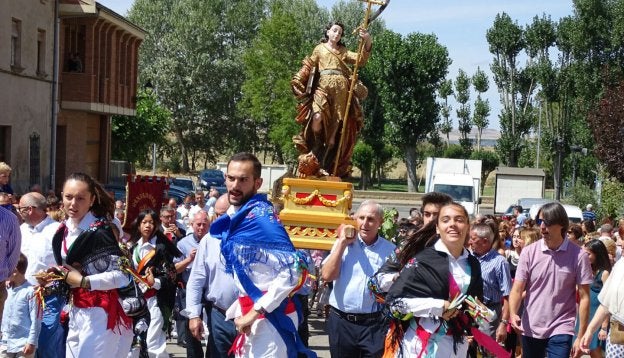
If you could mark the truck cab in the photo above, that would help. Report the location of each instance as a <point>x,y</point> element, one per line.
<point>461,187</point>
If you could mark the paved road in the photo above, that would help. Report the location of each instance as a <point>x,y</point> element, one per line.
<point>318,340</point>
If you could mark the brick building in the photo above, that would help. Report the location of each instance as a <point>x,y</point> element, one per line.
<point>97,78</point>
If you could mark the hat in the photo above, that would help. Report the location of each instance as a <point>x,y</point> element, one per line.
<point>589,206</point>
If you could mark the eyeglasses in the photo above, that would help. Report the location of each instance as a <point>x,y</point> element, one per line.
<point>23,209</point>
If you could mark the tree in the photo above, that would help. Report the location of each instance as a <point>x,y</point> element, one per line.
<point>489,162</point>
<point>133,136</point>
<point>607,123</point>
<point>271,60</point>
<point>410,70</point>
<point>446,90</point>
<point>505,42</point>
<point>481,107</point>
<point>192,50</point>
<point>462,95</point>
<point>363,158</point>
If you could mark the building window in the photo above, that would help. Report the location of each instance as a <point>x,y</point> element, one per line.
<point>16,45</point>
<point>41,52</point>
<point>5,144</point>
<point>35,159</point>
<point>74,47</point>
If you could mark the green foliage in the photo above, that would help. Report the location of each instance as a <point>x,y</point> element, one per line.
<point>133,136</point>
<point>581,195</point>
<point>454,151</point>
<point>192,50</point>
<point>363,156</point>
<point>270,61</point>
<point>505,39</point>
<point>612,199</point>
<point>409,102</point>
<point>445,91</point>
<point>462,95</point>
<point>389,228</point>
<point>489,162</point>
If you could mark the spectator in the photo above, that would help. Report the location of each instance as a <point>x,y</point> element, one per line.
<point>169,226</point>
<point>496,281</point>
<point>37,232</point>
<point>589,214</point>
<point>556,266</point>
<point>601,266</point>
<point>20,322</point>
<point>183,212</point>
<point>188,247</point>
<point>208,283</point>
<point>10,243</point>
<point>610,298</point>
<point>213,195</point>
<point>575,234</point>
<point>200,204</point>
<point>588,227</point>
<point>5,177</point>
<point>355,325</point>
<point>519,214</point>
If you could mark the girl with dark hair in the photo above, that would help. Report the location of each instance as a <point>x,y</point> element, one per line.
<point>424,323</point>
<point>601,267</point>
<point>86,246</point>
<point>152,257</point>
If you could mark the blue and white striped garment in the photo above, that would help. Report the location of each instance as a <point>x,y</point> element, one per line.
<point>10,243</point>
<point>496,277</point>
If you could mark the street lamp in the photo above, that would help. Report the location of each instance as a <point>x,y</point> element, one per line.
<point>559,147</point>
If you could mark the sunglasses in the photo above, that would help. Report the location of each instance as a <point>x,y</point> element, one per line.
<point>539,222</point>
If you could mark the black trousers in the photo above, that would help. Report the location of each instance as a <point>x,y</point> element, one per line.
<point>363,339</point>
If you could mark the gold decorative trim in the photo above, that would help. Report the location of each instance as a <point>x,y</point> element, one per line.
<point>305,201</point>
<point>311,232</point>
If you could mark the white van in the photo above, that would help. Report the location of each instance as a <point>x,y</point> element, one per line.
<point>575,214</point>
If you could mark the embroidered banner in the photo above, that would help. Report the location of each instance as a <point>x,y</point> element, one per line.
<point>143,192</point>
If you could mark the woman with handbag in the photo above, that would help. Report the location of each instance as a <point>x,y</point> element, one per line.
<point>611,299</point>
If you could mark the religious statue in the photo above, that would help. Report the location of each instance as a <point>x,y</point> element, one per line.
<point>329,104</point>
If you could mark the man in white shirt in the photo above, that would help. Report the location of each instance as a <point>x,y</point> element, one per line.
<point>37,232</point>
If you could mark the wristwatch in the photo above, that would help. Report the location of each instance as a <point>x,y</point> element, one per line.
<point>504,321</point>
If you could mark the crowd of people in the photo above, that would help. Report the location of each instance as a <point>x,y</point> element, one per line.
<point>224,270</point>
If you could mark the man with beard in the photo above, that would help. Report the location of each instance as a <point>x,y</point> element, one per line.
<point>265,265</point>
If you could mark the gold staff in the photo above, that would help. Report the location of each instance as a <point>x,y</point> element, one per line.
<point>354,77</point>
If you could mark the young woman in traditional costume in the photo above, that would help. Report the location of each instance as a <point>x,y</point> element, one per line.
<point>152,257</point>
<point>86,246</point>
<point>427,322</point>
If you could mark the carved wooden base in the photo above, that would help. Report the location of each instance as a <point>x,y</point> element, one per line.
<point>313,210</point>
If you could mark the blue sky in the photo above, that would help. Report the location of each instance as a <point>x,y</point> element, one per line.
<point>460,25</point>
